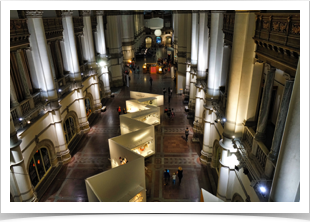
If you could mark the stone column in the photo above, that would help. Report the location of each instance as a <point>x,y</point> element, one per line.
<point>278,132</point>
<point>84,124</point>
<point>13,96</point>
<point>286,180</point>
<point>200,95</point>
<point>70,45</point>
<point>20,184</point>
<point>203,45</point>
<point>88,39</point>
<point>216,54</point>
<point>192,91</point>
<point>225,66</point>
<point>175,20</point>
<point>265,105</point>
<point>188,34</point>
<point>51,61</point>
<point>114,25</point>
<point>243,53</point>
<point>188,75</point>
<point>100,31</point>
<point>105,79</point>
<point>39,48</point>
<point>96,95</point>
<point>62,147</point>
<point>207,149</point>
<point>58,57</point>
<point>194,40</point>
<point>128,36</point>
<point>22,74</point>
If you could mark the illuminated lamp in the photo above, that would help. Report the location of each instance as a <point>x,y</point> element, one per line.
<point>38,161</point>
<point>157,32</point>
<point>101,63</point>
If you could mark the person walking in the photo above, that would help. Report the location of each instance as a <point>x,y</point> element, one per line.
<point>172,114</point>
<point>119,110</point>
<point>151,80</point>
<point>169,113</point>
<point>166,176</point>
<point>166,111</point>
<point>180,174</point>
<point>186,133</point>
<point>174,177</point>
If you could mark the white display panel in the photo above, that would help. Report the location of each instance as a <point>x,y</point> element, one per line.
<point>140,95</point>
<point>151,101</point>
<point>128,125</point>
<point>205,196</point>
<point>133,106</point>
<point>116,184</point>
<point>141,142</point>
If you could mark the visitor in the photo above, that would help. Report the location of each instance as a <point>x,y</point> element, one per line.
<point>166,111</point>
<point>174,178</point>
<point>169,113</point>
<point>180,174</point>
<point>124,111</point>
<point>151,81</point>
<point>186,134</point>
<point>166,176</point>
<point>172,114</point>
<point>119,110</point>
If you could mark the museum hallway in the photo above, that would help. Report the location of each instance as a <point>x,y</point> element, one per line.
<point>91,155</point>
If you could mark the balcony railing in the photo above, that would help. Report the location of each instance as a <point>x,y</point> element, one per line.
<point>25,107</point>
<point>247,139</point>
<point>14,114</point>
<point>261,155</point>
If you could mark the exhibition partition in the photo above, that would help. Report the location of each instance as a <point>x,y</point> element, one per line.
<point>141,95</point>
<point>206,196</point>
<point>125,181</point>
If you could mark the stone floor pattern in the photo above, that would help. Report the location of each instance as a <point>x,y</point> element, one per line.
<point>91,156</point>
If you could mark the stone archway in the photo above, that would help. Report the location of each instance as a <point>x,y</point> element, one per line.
<point>101,89</point>
<point>216,155</point>
<point>89,104</point>
<point>75,118</point>
<point>237,198</point>
<point>148,41</point>
<point>51,149</point>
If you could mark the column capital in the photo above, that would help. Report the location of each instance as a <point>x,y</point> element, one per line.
<point>34,13</point>
<point>65,13</point>
<point>99,12</point>
<point>85,13</point>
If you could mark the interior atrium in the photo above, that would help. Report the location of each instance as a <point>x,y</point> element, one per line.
<point>232,78</point>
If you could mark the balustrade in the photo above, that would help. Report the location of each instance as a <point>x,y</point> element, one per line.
<point>25,107</point>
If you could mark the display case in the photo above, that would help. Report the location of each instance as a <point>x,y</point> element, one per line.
<point>152,119</point>
<point>152,101</point>
<point>144,149</point>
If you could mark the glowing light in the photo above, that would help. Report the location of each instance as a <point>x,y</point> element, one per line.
<point>59,90</point>
<point>218,120</point>
<point>224,120</point>
<point>101,63</point>
<point>38,161</point>
<point>20,119</point>
<point>28,122</point>
<point>233,137</point>
<point>262,189</point>
<point>157,32</point>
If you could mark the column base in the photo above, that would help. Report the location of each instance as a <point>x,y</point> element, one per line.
<point>84,127</point>
<point>64,156</point>
<point>98,107</point>
<point>205,158</point>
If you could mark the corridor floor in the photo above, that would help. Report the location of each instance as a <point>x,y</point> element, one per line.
<point>91,156</point>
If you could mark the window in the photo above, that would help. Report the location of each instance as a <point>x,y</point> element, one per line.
<point>69,129</point>
<point>39,166</point>
<point>87,106</point>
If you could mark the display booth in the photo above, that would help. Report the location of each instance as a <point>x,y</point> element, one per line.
<point>206,196</point>
<point>140,142</point>
<point>141,95</point>
<point>149,116</point>
<point>125,181</point>
<point>134,106</point>
<point>128,125</point>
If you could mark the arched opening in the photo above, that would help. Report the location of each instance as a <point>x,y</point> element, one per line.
<point>168,41</point>
<point>237,198</point>
<point>217,152</point>
<point>88,107</point>
<point>69,129</point>
<point>148,42</point>
<point>39,166</point>
<point>101,89</point>
<point>158,39</point>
